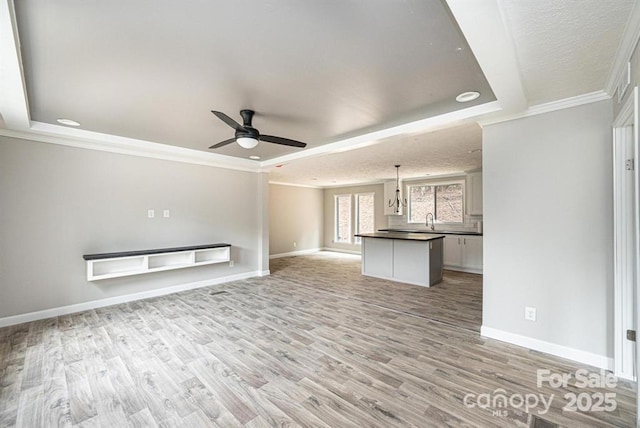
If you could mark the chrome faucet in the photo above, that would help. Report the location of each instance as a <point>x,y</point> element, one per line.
<point>433,227</point>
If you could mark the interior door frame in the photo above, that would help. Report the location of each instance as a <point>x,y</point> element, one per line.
<point>626,293</point>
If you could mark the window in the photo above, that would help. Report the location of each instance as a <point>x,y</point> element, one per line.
<point>364,214</point>
<point>444,201</point>
<point>343,218</point>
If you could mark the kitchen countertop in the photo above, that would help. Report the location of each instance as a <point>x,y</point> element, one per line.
<point>402,235</point>
<point>437,232</point>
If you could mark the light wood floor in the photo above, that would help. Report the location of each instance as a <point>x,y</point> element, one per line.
<point>315,344</point>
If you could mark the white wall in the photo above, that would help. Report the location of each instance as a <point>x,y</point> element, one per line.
<point>329,213</point>
<point>548,227</point>
<point>58,203</point>
<point>295,215</point>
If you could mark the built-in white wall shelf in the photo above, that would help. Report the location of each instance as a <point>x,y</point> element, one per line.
<point>113,265</point>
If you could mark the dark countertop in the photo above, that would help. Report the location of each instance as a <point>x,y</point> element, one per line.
<point>437,232</point>
<point>402,235</point>
<point>155,251</point>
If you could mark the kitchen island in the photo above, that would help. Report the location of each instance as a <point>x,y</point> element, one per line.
<point>413,258</point>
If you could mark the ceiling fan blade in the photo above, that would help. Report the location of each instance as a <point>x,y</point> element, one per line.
<point>226,119</point>
<point>223,143</point>
<point>283,141</point>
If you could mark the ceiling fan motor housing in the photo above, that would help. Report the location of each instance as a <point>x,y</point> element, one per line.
<point>248,131</point>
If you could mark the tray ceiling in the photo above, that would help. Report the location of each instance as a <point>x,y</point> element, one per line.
<point>312,71</point>
<point>365,83</point>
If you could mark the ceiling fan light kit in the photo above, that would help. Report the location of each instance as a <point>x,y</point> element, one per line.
<point>247,136</point>
<point>247,142</point>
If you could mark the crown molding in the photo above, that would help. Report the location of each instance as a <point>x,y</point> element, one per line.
<point>52,134</point>
<point>306,186</point>
<point>549,107</point>
<point>627,45</point>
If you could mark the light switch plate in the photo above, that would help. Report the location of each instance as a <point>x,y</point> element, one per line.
<point>151,213</point>
<point>166,214</point>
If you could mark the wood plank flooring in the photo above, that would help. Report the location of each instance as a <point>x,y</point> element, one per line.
<point>315,344</point>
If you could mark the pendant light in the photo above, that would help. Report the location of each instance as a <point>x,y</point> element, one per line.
<point>397,203</point>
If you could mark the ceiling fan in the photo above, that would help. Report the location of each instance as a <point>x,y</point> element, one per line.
<point>247,136</point>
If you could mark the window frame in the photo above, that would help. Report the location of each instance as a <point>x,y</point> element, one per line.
<point>336,218</point>
<point>356,239</point>
<point>434,184</point>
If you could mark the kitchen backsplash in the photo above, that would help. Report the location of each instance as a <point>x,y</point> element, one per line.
<point>400,222</point>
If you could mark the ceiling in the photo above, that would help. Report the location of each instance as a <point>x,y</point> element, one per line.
<point>565,48</point>
<point>421,155</point>
<point>365,83</point>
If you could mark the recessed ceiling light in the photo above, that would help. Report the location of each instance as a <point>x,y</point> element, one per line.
<point>254,157</point>
<point>68,122</point>
<point>465,97</point>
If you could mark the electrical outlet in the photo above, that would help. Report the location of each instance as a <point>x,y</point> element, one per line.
<point>151,213</point>
<point>295,244</point>
<point>166,214</point>
<point>231,263</point>
<point>530,313</point>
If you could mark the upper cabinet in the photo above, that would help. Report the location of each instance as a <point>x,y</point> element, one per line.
<point>390,195</point>
<point>474,193</point>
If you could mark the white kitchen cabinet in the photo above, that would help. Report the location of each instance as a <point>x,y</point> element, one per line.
<point>452,251</point>
<point>390,195</point>
<point>463,253</point>
<point>472,253</point>
<point>474,193</point>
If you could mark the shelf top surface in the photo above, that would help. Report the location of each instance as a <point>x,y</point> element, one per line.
<point>152,251</point>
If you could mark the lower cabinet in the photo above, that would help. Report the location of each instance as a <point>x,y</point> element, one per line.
<point>463,253</point>
<point>417,262</point>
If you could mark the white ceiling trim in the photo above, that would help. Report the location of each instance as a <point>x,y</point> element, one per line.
<point>56,134</point>
<point>549,107</point>
<point>14,106</point>
<point>281,183</point>
<point>375,137</point>
<point>625,50</point>
<point>483,26</point>
<point>46,133</point>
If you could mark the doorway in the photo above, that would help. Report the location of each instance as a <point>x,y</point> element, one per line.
<point>626,239</point>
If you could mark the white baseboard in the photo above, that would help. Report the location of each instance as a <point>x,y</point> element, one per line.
<point>294,253</point>
<point>461,269</point>
<point>340,250</point>
<point>600,361</point>
<point>79,307</point>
